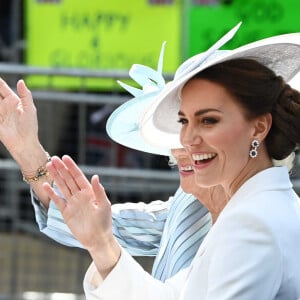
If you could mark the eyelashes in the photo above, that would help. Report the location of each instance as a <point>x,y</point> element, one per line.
<point>209,120</point>
<point>204,120</point>
<point>182,121</point>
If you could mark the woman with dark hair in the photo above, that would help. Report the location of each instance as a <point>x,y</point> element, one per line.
<point>268,94</point>
<point>237,118</point>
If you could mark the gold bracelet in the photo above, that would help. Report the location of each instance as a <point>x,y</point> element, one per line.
<point>40,172</point>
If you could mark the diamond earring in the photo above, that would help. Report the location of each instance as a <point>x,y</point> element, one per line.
<point>253,150</point>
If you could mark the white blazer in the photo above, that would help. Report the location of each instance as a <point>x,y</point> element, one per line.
<point>251,253</point>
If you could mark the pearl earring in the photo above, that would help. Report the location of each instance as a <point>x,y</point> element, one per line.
<point>253,150</point>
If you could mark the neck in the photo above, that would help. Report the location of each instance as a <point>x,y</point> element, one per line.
<point>214,199</point>
<point>253,166</point>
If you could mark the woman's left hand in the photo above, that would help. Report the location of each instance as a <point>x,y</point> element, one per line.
<point>86,208</point>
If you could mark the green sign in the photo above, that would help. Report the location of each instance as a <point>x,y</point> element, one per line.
<point>208,20</point>
<point>113,34</point>
<point>102,35</point>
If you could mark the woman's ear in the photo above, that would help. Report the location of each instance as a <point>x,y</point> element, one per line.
<point>262,125</point>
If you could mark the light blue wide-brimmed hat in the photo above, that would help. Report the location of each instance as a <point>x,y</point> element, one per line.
<point>123,124</point>
<point>159,126</point>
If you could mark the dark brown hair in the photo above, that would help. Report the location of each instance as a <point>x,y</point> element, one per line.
<point>259,90</point>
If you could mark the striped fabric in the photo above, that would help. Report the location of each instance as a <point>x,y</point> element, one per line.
<point>187,224</point>
<point>139,226</point>
<point>170,230</point>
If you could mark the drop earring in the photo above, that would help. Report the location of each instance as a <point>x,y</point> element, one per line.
<point>253,150</point>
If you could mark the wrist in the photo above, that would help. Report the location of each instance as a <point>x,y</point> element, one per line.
<point>30,159</point>
<point>32,162</point>
<point>106,257</point>
<point>39,173</point>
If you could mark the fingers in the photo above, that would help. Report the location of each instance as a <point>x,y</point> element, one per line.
<point>52,169</point>
<point>99,192</point>
<point>5,90</point>
<point>67,175</point>
<point>9,99</point>
<point>23,91</point>
<point>76,173</point>
<point>59,201</point>
<point>98,188</point>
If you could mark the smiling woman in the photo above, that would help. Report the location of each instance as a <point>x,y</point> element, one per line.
<point>237,114</point>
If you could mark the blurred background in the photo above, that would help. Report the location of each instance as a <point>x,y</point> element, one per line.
<point>70,53</point>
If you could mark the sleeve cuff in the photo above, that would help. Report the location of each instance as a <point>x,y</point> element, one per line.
<point>94,285</point>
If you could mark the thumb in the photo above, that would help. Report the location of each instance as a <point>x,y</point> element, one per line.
<point>99,190</point>
<point>24,93</point>
<point>59,201</point>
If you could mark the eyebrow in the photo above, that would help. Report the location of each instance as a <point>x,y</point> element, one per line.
<point>200,112</point>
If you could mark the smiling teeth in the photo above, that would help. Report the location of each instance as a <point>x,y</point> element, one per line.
<point>203,156</point>
<point>187,168</point>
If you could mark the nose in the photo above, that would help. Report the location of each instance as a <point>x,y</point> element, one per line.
<point>190,136</point>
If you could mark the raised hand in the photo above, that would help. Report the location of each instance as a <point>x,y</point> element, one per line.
<point>86,210</point>
<point>18,118</point>
<point>19,134</point>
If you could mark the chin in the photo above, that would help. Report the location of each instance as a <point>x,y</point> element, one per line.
<point>204,182</point>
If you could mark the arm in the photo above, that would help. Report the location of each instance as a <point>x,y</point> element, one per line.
<point>19,134</point>
<point>132,283</point>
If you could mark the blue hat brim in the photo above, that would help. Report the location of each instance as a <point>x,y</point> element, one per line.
<point>123,124</point>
